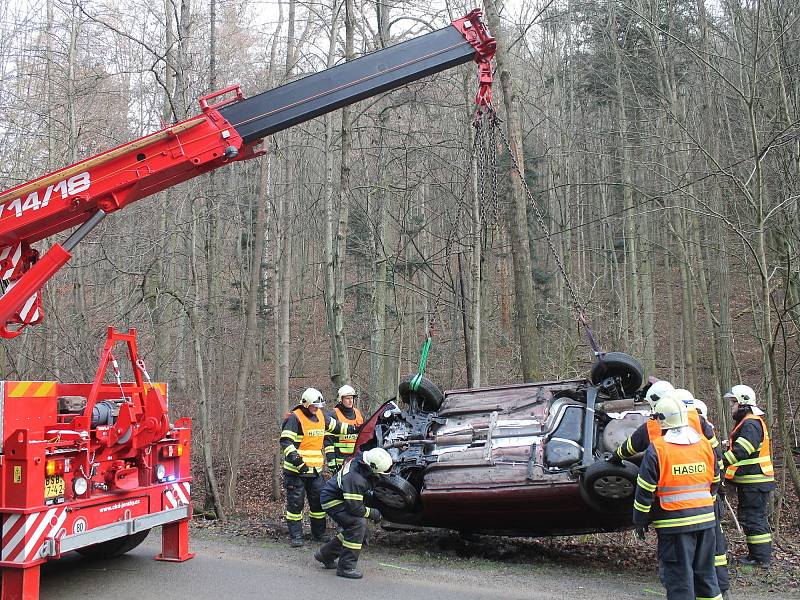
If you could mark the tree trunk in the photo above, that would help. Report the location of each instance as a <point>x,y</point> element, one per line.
<point>517,214</point>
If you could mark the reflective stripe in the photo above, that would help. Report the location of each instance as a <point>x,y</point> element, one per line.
<point>684,488</point>
<point>720,560</point>
<point>332,503</point>
<point>289,449</point>
<point>353,496</point>
<point>289,434</point>
<point>764,538</point>
<point>730,457</point>
<point>714,441</point>
<point>673,498</point>
<point>744,443</point>
<point>717,597</point>
<point>629,447</point>
<point>366,514</point>
<point>641,507</point>
<point>294,516</point>
<point>646,485</point>
<point>346,544</point>
<point>290,467</point>
<point>684,521</point>
<point>752,478</point>
<point>316,515</point>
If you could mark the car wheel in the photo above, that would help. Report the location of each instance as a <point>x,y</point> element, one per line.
<point>395,493</point>
<point>429,397</point>
<point>618,364</point>
<point>608,487</point>
<point>116,547</point>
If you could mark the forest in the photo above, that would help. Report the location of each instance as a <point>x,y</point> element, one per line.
<point>659,147</point>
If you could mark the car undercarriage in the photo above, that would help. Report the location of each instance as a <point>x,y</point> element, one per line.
<point>522,459</point>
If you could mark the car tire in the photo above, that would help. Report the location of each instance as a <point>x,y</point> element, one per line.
<point>396,494</point>
<point>116,547</point>
<point>429,397</point>
<point>618,364</point>
<point>609,487</point>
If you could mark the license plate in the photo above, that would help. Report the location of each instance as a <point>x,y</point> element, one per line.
<point>53,486</point>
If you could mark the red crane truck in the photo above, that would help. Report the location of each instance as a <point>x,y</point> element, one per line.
<point>94,466</point>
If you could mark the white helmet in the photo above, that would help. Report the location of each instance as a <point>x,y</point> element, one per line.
<point>313,397</point>
<point>701,407</point>
<point>671,413</point>
<point>743,394</point>
<point>684,396</point>
<point>378,459</point>
<point>657,391</point>
<point>345,390</point>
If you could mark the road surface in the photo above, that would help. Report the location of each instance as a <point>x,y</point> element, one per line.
<point>242,568</point>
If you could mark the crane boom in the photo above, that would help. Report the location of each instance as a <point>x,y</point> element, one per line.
<point>229,129</point>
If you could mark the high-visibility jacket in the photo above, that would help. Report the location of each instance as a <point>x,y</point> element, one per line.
<point>345,443</point>
<point>683,479</point>
<point>748,456</point>
<point>303,439</point>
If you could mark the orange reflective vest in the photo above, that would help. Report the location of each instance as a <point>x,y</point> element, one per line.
<point>686,473</point>
<point>310,449</point>
<point>694,420</point>
<point>346,443</point>
<point>758,456</point>
<point>653,429</point>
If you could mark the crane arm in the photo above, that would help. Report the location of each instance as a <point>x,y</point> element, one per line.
<point>229,129</point>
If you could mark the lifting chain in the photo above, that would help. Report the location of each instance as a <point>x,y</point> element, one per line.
<point>495,121</point>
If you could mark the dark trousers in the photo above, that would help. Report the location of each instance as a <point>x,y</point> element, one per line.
<point>686,564</point>
<point>753,519</point>
<point>721,547</point>
<point>297,488</point>
<point>347,545</point>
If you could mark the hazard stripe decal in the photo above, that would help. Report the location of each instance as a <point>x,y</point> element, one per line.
<point>178,494</point>
<point>30,389</point>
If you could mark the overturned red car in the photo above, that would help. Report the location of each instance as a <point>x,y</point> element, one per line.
<point>522,460</point>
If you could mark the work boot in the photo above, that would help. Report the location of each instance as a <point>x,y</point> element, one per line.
<point>327,563</point>
<point>324,538</point>
<point>350,574</point>
<point>749,560</point>
<point>296,542</point>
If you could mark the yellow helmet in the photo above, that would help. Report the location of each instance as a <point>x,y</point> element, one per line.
<point>671,413</point>
<point>657,391</point>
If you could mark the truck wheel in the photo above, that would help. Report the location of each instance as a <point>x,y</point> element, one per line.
<point>116,547</point>
<point>609,488</point>
<point>429,397</point>
<point>618,364</point>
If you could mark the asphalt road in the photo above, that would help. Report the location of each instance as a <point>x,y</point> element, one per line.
<point>232,569</point>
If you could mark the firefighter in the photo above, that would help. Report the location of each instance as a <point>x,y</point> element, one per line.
<point>344,444</point>
<point>640,439</point>
<point>302,438</point>
<point>675,494</point>
<point>343,500</point>
<point>749,467</point>
<point>721,550</point>
<point>645,433</point>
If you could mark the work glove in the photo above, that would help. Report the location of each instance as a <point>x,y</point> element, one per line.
<point>375,515</point>
<point>303,468</point>
<point>641,530</point>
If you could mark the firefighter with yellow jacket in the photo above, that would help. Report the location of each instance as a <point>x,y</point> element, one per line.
<point>343,444</point>
<point>302,442</point>
<point>675,492</point>
<point>749,467</point>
